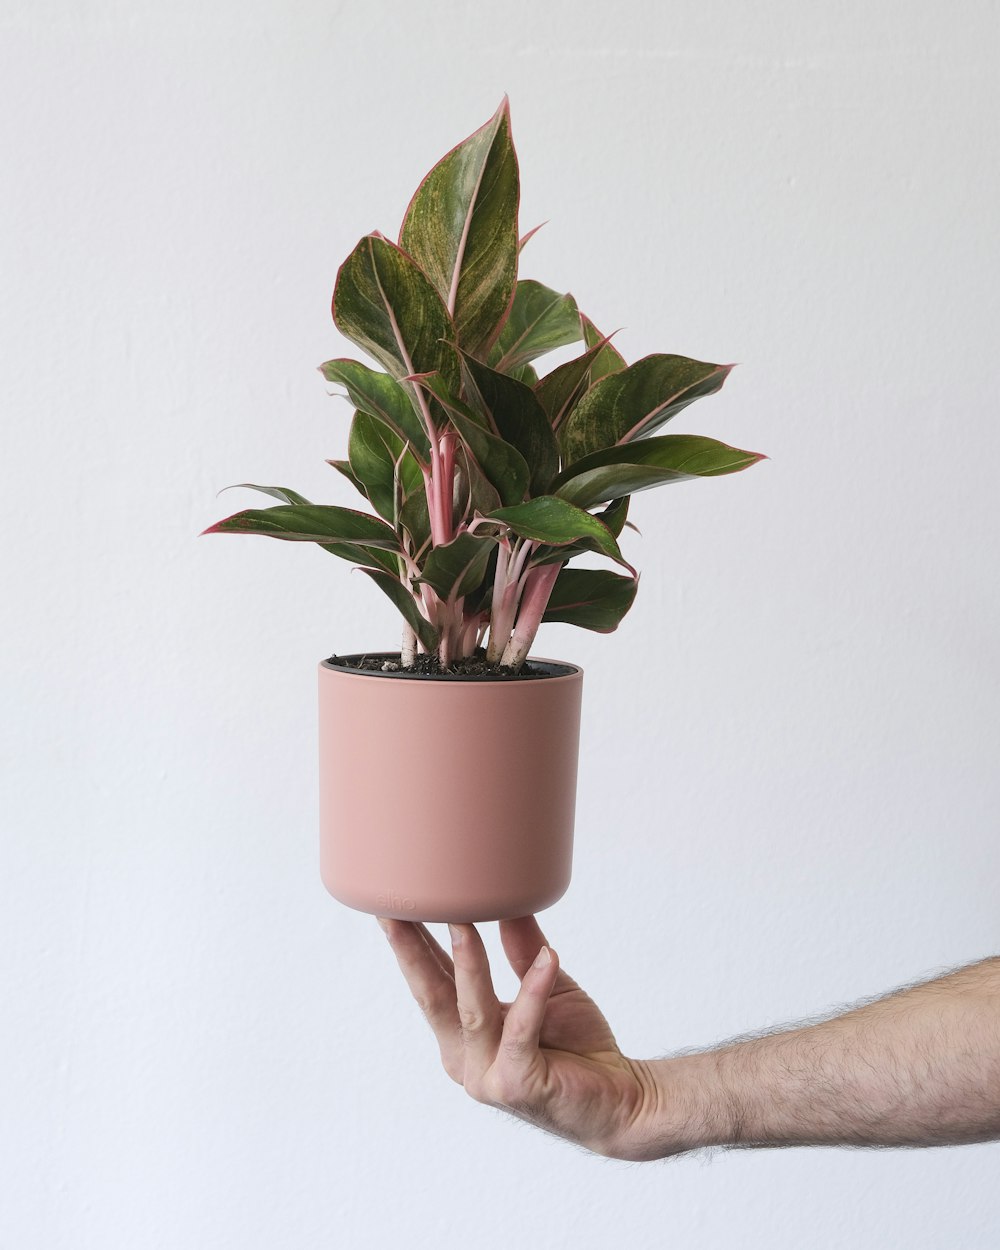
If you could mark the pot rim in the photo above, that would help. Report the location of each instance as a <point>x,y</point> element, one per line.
<point>560,670</point>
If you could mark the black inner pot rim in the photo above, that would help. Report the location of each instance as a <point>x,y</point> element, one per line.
<point>550,668</point>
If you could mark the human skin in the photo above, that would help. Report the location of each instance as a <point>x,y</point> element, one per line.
<point>919,1067</point>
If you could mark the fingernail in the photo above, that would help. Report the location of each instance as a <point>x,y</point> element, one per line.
<point>543,958</point>
<point>456,934</point>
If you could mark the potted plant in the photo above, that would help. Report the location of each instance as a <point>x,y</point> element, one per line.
<point>448,768</point>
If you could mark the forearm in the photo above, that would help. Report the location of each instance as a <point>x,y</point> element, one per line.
<point>918,1068</point>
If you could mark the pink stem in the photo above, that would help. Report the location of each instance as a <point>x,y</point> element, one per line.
<point>447,489</point>
<point>524,550</point>
<point>431,478</point>
<point>470,635</point>
<point>537,589</point>
<point>498,634</point>
<point>439,486</point>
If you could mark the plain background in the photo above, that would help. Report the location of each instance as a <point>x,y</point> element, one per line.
<point>790,782</point>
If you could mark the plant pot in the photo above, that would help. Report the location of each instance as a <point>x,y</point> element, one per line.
<point>451,797</point>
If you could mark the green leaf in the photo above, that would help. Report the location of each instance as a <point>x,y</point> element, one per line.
<point>344,468</point>
<point>404,601</point>
<point>353,536</point>
<point>411,510</point>
<point>524,239</point>
<point>503,466</point>
<point>381,396</point>
<point>649,462</point>
<point>384,302</point>
<point>559,391</point>
<point>525,374</point>
<point>548,519</point>
<point>378,456</point>
<point>609,359</point>
<point>310,523</point>
<point>372,449</point>
<point>517,417</point>
<point>636,401</point>
<point>540,320</point>
<point>457,568</point>
<point>613,516</point>
<point>461,229</point>
<point>591,598</point>
<point>473,493</point>
<point>276,492</point>
<point>414,518</point>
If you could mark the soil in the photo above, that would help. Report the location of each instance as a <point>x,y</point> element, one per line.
<point>429,666</point>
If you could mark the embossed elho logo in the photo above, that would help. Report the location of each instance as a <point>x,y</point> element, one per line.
<point>398,902</point>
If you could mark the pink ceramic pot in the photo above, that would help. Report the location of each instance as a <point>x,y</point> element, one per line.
<point>447,798</point>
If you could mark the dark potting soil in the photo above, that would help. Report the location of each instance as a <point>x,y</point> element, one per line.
<point>429,666</point>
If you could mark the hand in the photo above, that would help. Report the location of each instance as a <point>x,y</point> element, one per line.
<point>549,1057</point>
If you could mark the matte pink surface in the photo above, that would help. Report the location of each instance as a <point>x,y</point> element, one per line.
<point>447,800</point>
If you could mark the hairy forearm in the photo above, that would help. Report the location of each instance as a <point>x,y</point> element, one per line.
<point>920,1067</point>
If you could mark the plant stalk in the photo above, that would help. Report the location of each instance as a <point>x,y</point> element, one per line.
<point>499,633</point>
<point>408,649</point>
<point>537,589</point>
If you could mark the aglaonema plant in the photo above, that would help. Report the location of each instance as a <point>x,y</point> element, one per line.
<point>487,479</point>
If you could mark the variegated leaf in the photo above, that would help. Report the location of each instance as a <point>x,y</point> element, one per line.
<point>461,229</point>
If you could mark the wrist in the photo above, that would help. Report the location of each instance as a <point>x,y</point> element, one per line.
<point>686,1106</point>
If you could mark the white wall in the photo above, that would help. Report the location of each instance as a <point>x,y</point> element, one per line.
<point>790,787</point>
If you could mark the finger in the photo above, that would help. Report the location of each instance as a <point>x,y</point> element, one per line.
<point>520,1065</point>
<point>522,939</point>
<point>479,1011</point>
<point>431,986</point>
<point>437,950</point>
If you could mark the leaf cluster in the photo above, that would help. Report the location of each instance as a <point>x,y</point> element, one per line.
<point>459,445</point>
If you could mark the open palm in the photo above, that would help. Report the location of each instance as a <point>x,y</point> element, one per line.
<point>549,1057</point>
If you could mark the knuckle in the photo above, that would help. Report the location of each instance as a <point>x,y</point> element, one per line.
<point>429,1004</point>
<point>514,1046</point>
<point>472,1021</point>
